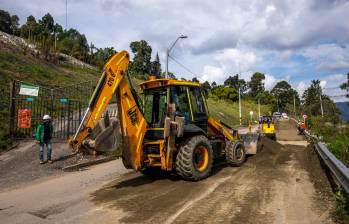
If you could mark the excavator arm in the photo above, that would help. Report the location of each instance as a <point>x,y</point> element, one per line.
<point>133,124</point>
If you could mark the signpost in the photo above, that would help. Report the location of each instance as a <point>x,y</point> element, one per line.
<point>29,90</point>
<point>24,118</point>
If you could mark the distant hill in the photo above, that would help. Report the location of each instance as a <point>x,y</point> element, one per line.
<point>344,109</point>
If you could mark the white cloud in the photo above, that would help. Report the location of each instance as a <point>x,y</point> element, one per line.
<point>301,87</point>
<point>269,82</point>
<point>213,74</point>
<point>332,89</point>
<point>230,61</point>
<point>328,57</point>
<point>225,38</point>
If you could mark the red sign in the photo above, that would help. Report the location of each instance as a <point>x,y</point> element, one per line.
<point>23,120</point>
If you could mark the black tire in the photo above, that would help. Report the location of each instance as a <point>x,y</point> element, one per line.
<point>194,159</point>
<point>235,153</point>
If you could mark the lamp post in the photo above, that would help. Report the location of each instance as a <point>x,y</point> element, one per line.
<point>168,50</point>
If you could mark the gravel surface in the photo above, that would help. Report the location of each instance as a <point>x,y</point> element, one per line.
<point>21,166</point>
<point>283,183</point>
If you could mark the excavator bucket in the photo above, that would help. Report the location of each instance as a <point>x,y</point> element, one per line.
<point>251,142</point>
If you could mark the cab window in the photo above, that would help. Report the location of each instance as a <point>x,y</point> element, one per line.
<point>178,96</point>
<point>155,107</point>
<point>197,102</point>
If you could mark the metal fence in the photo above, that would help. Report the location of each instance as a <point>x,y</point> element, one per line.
<point>64,104</point>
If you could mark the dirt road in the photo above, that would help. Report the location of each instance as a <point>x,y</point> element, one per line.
<point>281,184</point>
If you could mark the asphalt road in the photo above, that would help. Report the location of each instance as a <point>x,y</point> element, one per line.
<point>283,183</point>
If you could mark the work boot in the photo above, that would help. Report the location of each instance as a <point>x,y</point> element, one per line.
<point>42,162</point>
<point>49,161</point>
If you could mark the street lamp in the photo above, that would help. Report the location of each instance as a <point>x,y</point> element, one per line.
<point>168,50</point>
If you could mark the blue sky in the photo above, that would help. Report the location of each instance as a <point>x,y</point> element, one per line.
<point>293,40</point>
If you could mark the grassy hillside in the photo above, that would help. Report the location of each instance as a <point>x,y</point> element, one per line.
<point>228,112</point>
<point>27,68</point>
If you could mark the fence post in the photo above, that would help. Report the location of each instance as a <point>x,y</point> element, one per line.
<point>68,120</point>
<point>12,108</point>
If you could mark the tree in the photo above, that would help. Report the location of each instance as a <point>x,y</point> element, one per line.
<point>206,85</point>
<point>285,95</point>
<point>141,65</point>
<point>5,21</point>
<point>101,56</point>
<point>206,88</point>
<point>312,104</point>
<point>236,83</point>
<point>14,25</point>
<point>345,86</point>
<point>266,97</point>
<point>46,24</point>
<point>226,93</point>
<point>256,84</point>
<point>156,66</point>
<point>73,43</point>
<point>214,85</point>
<point>195,80</point>
<point>30,29</point>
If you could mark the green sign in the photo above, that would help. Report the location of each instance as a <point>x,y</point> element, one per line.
<point>63,100</point>
<point>29,90</point>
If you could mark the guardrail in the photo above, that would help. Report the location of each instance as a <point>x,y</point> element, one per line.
<point>337,168</point>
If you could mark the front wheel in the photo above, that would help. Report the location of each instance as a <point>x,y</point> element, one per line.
<point>194,159</point>
<point>235,153</point>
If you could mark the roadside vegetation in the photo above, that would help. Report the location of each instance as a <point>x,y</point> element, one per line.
<point>331,130</point>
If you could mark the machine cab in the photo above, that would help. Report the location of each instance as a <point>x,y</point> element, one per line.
<point>187,97</point>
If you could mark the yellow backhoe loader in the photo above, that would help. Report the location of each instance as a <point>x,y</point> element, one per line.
<point>268,127</point>
<point>168,129</point>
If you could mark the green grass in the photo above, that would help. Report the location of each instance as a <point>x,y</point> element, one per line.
<point>336,136</point>
<point>228,111</point>
<point>17,66</point>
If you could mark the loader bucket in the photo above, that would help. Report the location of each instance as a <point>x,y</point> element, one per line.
<point>250,142</point>
<point>105,137</point>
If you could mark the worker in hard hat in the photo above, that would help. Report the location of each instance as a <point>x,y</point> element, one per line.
<point>43,137</point>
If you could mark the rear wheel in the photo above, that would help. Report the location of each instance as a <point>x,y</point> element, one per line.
<point>194,159</point>
<point>235,153</point>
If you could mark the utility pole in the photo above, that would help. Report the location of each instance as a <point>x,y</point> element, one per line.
<point>240,106</point>
<point>66,14</point>
<point>55,40</point>
<point>294,104</point>
<point>322,109</point>
<point>168,50</point>
<point>259,108</point>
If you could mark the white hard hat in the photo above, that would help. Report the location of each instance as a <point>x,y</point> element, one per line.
<point>46,117</point>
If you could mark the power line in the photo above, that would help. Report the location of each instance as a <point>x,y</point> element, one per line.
<point>334,87</point>
<point>337,95</point>
<point>183,66</point>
